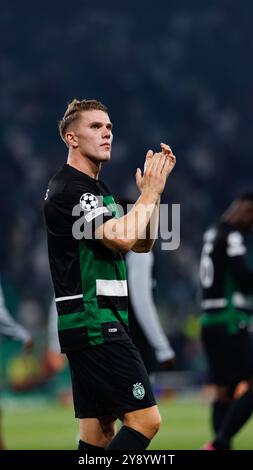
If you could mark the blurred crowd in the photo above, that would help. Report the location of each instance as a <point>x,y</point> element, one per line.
<point>181,74</point>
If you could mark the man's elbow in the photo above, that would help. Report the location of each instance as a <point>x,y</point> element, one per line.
<point>143,246</point>
<point>141,249</point>
<point>125,245</point>
<point>118,244</point>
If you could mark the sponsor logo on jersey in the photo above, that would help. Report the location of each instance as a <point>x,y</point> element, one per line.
<point>95,213</point>
<point>138,391</point>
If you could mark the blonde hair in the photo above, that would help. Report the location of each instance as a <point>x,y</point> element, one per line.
<point>73,111</point>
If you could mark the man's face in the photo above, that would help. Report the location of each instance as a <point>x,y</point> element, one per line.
<point>93,135</point>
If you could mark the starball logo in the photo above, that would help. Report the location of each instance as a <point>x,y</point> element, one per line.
<point>91,212</point>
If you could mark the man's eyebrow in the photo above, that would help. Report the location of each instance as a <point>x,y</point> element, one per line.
<point>109,125</point>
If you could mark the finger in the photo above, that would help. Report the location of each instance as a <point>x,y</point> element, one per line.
<point>151,162</point>
<point>163,161</point>
<point>158,164</point>
<point>166,168</point>
<point>168,165</point>
<point>149,156</point>
<point>138,176</point>
<point>166,148</point>
<point>171,157</point>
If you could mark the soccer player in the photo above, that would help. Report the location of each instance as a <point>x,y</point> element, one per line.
<point>144,323</point>
<point>109,379</point>
<point>9,327</point>
<point>227,281</point>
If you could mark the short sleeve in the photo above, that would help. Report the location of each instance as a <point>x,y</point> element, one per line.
<point>78,210</point>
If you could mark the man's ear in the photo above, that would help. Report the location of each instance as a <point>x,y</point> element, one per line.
<point>71,139</point>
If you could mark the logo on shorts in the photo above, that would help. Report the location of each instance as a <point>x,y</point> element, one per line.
<point>138,391</point>
<point>88,201</point>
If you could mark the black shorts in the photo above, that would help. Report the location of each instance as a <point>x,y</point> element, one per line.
<point>109,380</point>
<point>230,356</point>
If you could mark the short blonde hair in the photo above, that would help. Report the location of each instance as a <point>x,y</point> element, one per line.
<point>73,111</point>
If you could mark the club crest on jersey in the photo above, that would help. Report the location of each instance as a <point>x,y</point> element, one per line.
<point>88,202</point>
<point>138,391</point>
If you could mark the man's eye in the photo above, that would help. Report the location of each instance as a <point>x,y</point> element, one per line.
<point>95,126</point>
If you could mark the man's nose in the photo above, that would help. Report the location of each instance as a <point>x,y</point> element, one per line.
<point>107,134</point>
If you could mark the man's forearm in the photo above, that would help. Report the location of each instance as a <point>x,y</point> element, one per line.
<point>131,228</point>
<point>148,237</point>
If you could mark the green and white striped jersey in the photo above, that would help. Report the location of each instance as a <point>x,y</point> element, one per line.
<point>89,279</point>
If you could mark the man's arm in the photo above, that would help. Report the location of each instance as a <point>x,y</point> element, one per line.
<point>53,339</point>
<point>123,234</point>
<point>139,267</point>
<point>9,327</point>
<point>147,241</point>
<point>237,259</point>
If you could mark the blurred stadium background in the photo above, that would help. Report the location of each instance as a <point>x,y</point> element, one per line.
<point>179,72</point>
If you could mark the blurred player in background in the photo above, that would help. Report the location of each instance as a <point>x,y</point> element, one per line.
<point>9,327</point>
<point>227,283</point>
<point>55,363</point>
<point>144,324</point>
<point>55,360</point>
<point>109,378</point>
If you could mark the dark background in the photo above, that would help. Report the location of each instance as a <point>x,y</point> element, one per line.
<point>176,72</point>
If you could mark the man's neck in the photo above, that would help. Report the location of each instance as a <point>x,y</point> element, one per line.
<point>85,165</point>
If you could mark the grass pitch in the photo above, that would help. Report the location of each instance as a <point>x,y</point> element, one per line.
<point>50,426</point>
